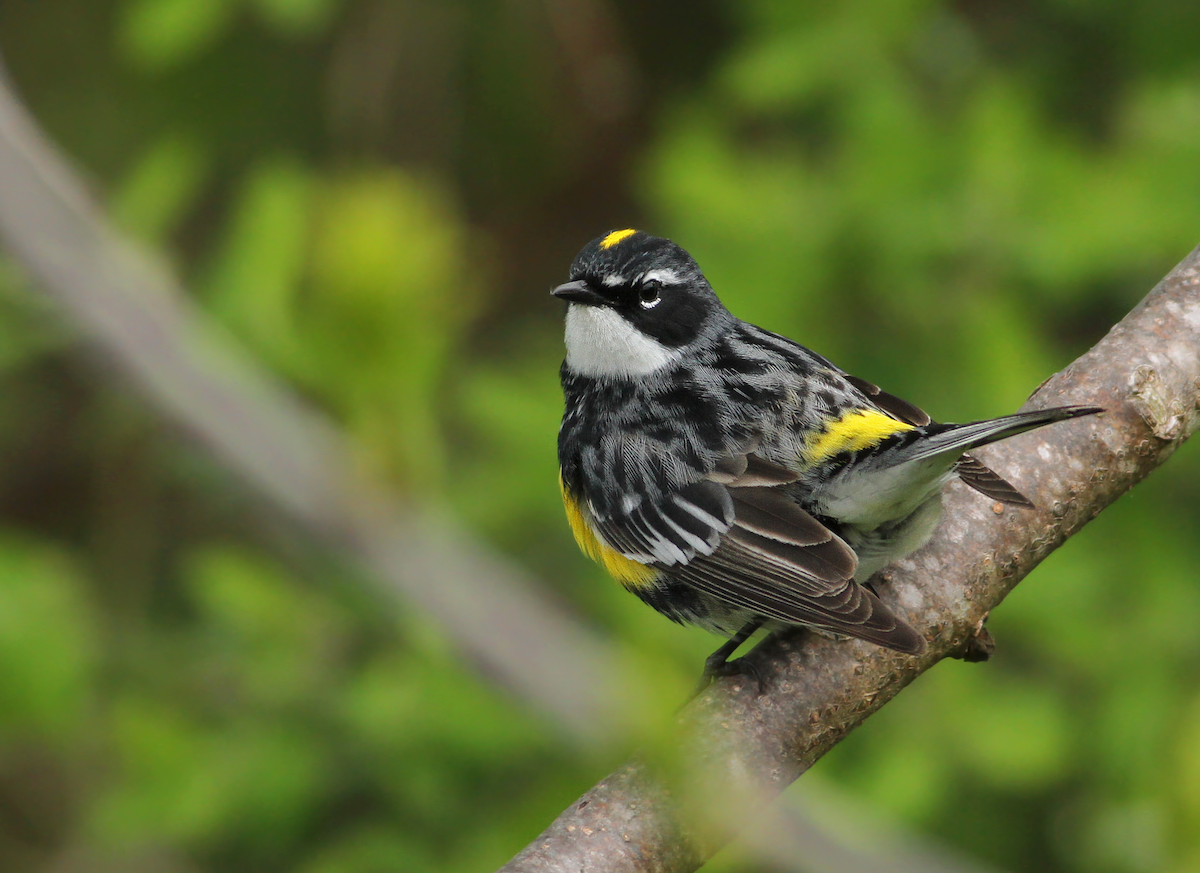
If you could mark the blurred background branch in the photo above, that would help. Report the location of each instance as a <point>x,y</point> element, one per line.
<point>294,460</point>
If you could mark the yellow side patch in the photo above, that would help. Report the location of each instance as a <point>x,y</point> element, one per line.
<point>852,432</point>
<point>628,572</point>
<point>615,237</point>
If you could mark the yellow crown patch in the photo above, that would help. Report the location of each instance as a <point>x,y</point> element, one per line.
<point>615,237</point>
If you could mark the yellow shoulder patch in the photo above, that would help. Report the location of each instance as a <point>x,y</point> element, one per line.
<point>854,431</point>
<point>627,571</point>
<point>615,237</point>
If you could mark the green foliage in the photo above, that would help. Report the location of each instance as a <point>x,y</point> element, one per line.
<point>156,35</point>
<point>47,644</point>
<point>952,200</point>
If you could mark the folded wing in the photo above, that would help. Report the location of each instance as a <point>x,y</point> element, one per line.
<point>739,538</point>
<point>780,562</point>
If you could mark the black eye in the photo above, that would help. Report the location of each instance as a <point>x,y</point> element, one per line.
<point>649,293</point>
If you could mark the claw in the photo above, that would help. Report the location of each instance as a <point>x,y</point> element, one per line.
<point>738,667</point>
<point>718,663</point>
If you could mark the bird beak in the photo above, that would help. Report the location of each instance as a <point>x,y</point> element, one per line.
<point>579,292</point>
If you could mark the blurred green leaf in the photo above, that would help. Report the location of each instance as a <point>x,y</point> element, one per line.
<point>156,35</point>
<point>297,17</point>
<point>29,328</point>
<point>186,780</point>
<point>48,642</point>
<point>389,297</point>
<point>370,849</point>
<point>256,279</point>
<point>160,188</point>
<point>278,642</point>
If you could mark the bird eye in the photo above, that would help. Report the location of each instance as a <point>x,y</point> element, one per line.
<point>649,293</point>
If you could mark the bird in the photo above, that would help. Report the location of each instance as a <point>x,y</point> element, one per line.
<point>733,479</point>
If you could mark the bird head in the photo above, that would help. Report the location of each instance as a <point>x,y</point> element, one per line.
<point>635,303</point>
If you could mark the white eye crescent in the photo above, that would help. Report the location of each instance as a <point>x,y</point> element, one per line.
<point>649,294</point>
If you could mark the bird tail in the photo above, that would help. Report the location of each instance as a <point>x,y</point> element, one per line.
<point>964,437</point>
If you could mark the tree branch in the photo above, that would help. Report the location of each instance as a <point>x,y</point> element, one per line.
<point>742,748</point>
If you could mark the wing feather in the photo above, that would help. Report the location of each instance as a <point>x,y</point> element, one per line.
<point>780,562</point>
<point>737,537</point>
<point>739,574</point>
<point>890,403</point>
<point>672,530</point>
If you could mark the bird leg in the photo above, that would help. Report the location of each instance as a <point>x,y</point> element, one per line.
<point>718,663</point>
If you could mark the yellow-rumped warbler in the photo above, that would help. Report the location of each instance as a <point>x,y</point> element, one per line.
<point>730,477</point>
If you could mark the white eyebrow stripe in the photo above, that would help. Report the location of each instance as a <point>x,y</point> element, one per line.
<point>612,280</point>
<point>667,277</point>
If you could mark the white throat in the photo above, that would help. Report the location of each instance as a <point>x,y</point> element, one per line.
<point>602,343</point>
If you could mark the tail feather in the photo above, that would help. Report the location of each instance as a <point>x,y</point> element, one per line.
<point>989,483</point>
<point>964,437</point>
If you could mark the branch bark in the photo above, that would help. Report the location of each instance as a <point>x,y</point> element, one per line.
<point>743,748</point>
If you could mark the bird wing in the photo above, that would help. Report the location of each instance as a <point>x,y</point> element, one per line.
<point>670,527</point>
<point>671,530</point>
<point>737,537</point>
<point>890,403</point>
<point>780,562</point>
